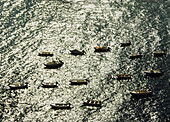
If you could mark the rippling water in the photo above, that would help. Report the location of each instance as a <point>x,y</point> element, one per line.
<point>28,27</point>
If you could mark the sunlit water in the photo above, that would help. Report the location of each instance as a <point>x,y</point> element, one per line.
<point>28,27</point>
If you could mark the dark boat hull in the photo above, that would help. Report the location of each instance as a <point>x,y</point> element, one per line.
<point>157,55</point>
<point>77,52</point>
<point>23,87</point>
<point>45,55</point>
<point>123,78</point>
<point>78,83</point>
<point>102,50</point>
<point>125,44</point>
<point>141,95</point>
<point>61,106</point>
<point>86,104</point>
<point>53,66</point>
<point>154,74</point>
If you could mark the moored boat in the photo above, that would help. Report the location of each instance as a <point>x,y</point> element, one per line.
<point>61,106</point>
<point>125,43</point>
<point>141,93</point>
<point>54,64</point>
<point>45,54</point>
<point>79,81</point>
<point>77,52</point>
<point>49,84</point>
<point>92,103</point>
<point>159,53</point>
<point>153,73</point>
<point>18,85</point>
<point>133,56</point>
<point>123,76</point>
<point>102,49</point>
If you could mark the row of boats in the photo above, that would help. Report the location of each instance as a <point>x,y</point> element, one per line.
<point>49,84</point>
<point>58,63</point>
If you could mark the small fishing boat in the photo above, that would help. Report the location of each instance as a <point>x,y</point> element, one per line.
<point>133,56</point>
<point>92,103</point>
<point>45,54</point>
<point>61,106</point>
<point>79,81</point>
<point>77,52</point>
<point>141,93</point>
<point>123,76</point>
<point>126,43</point>
<point>18,85</point>
<point>49,84</point>
<point>102,49</point>
<point>54,64</point>
<point>159,53</point>
<point>153,73</point>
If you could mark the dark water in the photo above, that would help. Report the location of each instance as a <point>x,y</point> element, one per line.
<point>28,27</point>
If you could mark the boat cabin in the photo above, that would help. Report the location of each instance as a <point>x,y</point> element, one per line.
<point>123,76</point>
<point>54,64</point>
<point>61,106</point>
<point>92,103</point>
<point>18,86</point>
<point>159,53</point>
<point>45,54</point>
<point>141,93</point>
<point>49,84</point>
<point>153,73</point>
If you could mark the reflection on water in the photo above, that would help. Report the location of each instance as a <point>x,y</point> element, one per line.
<point>30,27</point>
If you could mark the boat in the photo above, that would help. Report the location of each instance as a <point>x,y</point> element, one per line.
<point>92,103</point>
<point>61,106</point>
<point>123,76</point>
<point>159,53</point>
<point>49,85</point>
<point>133,56</point>
<point>45,54</point>
<point>153,73</point>
<point>18,85</point>
<point>126,43</point>
<point>77,52</point>
<point>141,93</point>
<point>54,64</point>
<point>102,49</point>
<point>79,81</point>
